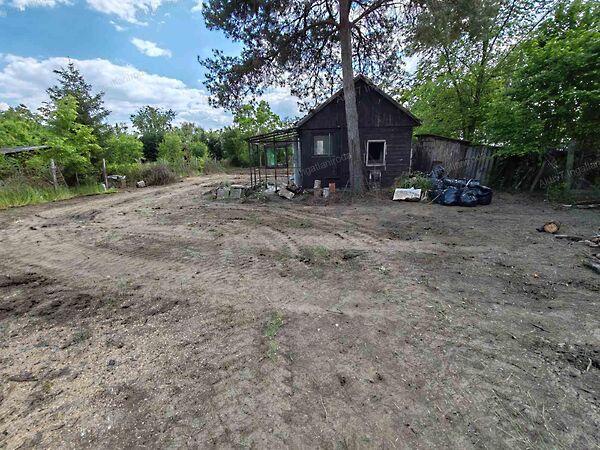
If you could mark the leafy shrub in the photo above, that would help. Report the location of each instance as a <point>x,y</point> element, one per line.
<point>123,149</point>
<point>417,180</point>
<point>158,174</point>
<point>171,148</point>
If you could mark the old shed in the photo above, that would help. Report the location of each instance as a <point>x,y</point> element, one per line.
<point>316,148</point>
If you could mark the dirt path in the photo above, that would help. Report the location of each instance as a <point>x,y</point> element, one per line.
<point>150,318</point>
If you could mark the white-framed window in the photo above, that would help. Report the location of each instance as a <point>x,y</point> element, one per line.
<point>322,145</point>
<point>375,153</point>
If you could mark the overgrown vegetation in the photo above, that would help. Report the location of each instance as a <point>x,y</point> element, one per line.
<point>72,126</point>
<point>417,180</point>
<point>21,193</point>
<point>273,326</point>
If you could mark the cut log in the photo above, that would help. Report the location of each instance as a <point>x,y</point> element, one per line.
<point>551,227</point>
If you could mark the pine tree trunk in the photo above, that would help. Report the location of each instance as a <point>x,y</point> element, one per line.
<point>356,170</point>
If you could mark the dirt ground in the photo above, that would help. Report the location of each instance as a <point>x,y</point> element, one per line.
<point>161,318</point>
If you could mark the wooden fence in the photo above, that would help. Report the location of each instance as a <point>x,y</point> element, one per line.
<point>459,158</point>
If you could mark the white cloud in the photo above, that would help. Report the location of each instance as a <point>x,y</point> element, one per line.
<point>281,101</point>
<point>150,48</point>
<point>198,7</point>
<point>24,4</point>
<point>127,10</point>
<point>3,106</point>
<point>117,26</point>
<point>25,80</point>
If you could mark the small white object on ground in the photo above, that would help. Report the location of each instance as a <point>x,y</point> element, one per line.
<point>140,184</point>
<point>411,195</point>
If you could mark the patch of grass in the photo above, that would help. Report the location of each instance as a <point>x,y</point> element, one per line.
<point>81,335</point>
<point>273,326</point>
<point>23,194</point>
<point>317,254</point>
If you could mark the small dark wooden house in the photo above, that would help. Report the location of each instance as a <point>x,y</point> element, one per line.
<point>385,129</point>
<point>319,143</point>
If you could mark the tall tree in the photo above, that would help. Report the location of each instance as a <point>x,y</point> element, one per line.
<point>152,124</point>
<point>90,106</point>
<point>256,118</point>
<point>308,46</point>
<point>72,145</point>
<point>193,139</point>
<point>551,100</point>
<point>463,45</point>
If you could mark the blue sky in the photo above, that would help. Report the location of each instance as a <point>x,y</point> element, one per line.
<point>137,51</point>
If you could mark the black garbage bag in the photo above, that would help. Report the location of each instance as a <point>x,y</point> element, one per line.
<point>484,195</point>
<point>437,173</point>
<point>461,182</point>
<point>468,197</point>
<point>450,197</point>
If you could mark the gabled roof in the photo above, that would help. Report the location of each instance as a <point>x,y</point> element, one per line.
<point>372,85</point>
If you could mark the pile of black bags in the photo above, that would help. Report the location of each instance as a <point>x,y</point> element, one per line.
<point>457,192</point>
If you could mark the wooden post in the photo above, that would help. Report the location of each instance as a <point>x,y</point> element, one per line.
<point>569,164</point>
<point>259,154</point>
<point>53,173</point>
<point>287,166</point>
<point>275,156</point>
<point>104,175</point>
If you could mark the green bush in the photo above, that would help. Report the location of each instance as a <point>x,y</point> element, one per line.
<point>123,149</point>
<point>171,148</point>
<point>417,180</point>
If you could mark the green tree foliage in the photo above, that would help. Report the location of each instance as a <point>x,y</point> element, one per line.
<point>248,120</point>
<point>171,148</point>
<point>123,148</point>
<point>152,124</point>
<point>193,139</point>
<point>434,102</point>
<point>90,106</point>
<point>72,145</point>
<point>552,98</point>
<point>21,127</point>
<point>256,118</point>
<point>234,147</point>
<point>462,48</point>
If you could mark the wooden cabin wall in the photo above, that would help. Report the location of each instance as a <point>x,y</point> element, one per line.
<point>378,119</point>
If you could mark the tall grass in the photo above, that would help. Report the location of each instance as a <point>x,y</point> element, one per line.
<point>19,193</point>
